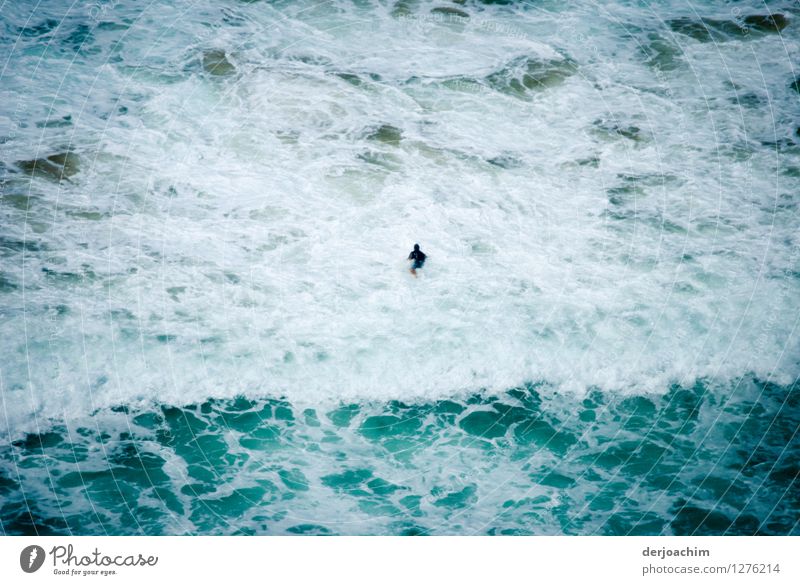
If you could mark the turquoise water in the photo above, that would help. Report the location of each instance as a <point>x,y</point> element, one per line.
<point>206,321</point>
<point>524,462</point>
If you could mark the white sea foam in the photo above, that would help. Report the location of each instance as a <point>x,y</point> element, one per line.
<point>624,228</point>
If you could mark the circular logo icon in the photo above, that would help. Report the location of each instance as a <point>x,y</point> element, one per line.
<point>31,558</point>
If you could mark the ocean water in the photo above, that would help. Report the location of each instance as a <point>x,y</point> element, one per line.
<point>206,321</point>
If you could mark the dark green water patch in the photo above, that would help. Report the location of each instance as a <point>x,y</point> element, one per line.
<point>216,62</point>
<point>387,134</point>
<point>450,12</point>
<point>661,53</point>
<point>39,29</point>
<point>54,167</point>
<point>526,74</point>
<point>80,40</point>
<point>707,30</point>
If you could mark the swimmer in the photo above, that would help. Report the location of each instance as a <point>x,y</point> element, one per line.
<point>418,259</point>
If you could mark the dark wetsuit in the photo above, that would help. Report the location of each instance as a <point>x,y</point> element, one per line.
<point>418,256</point>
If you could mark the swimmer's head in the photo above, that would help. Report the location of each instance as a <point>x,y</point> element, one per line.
<point>416,247</point>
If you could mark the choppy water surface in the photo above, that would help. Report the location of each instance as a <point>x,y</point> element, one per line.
<point>206,323</point>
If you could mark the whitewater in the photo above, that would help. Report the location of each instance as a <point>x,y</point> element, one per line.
<point>206,209</point>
